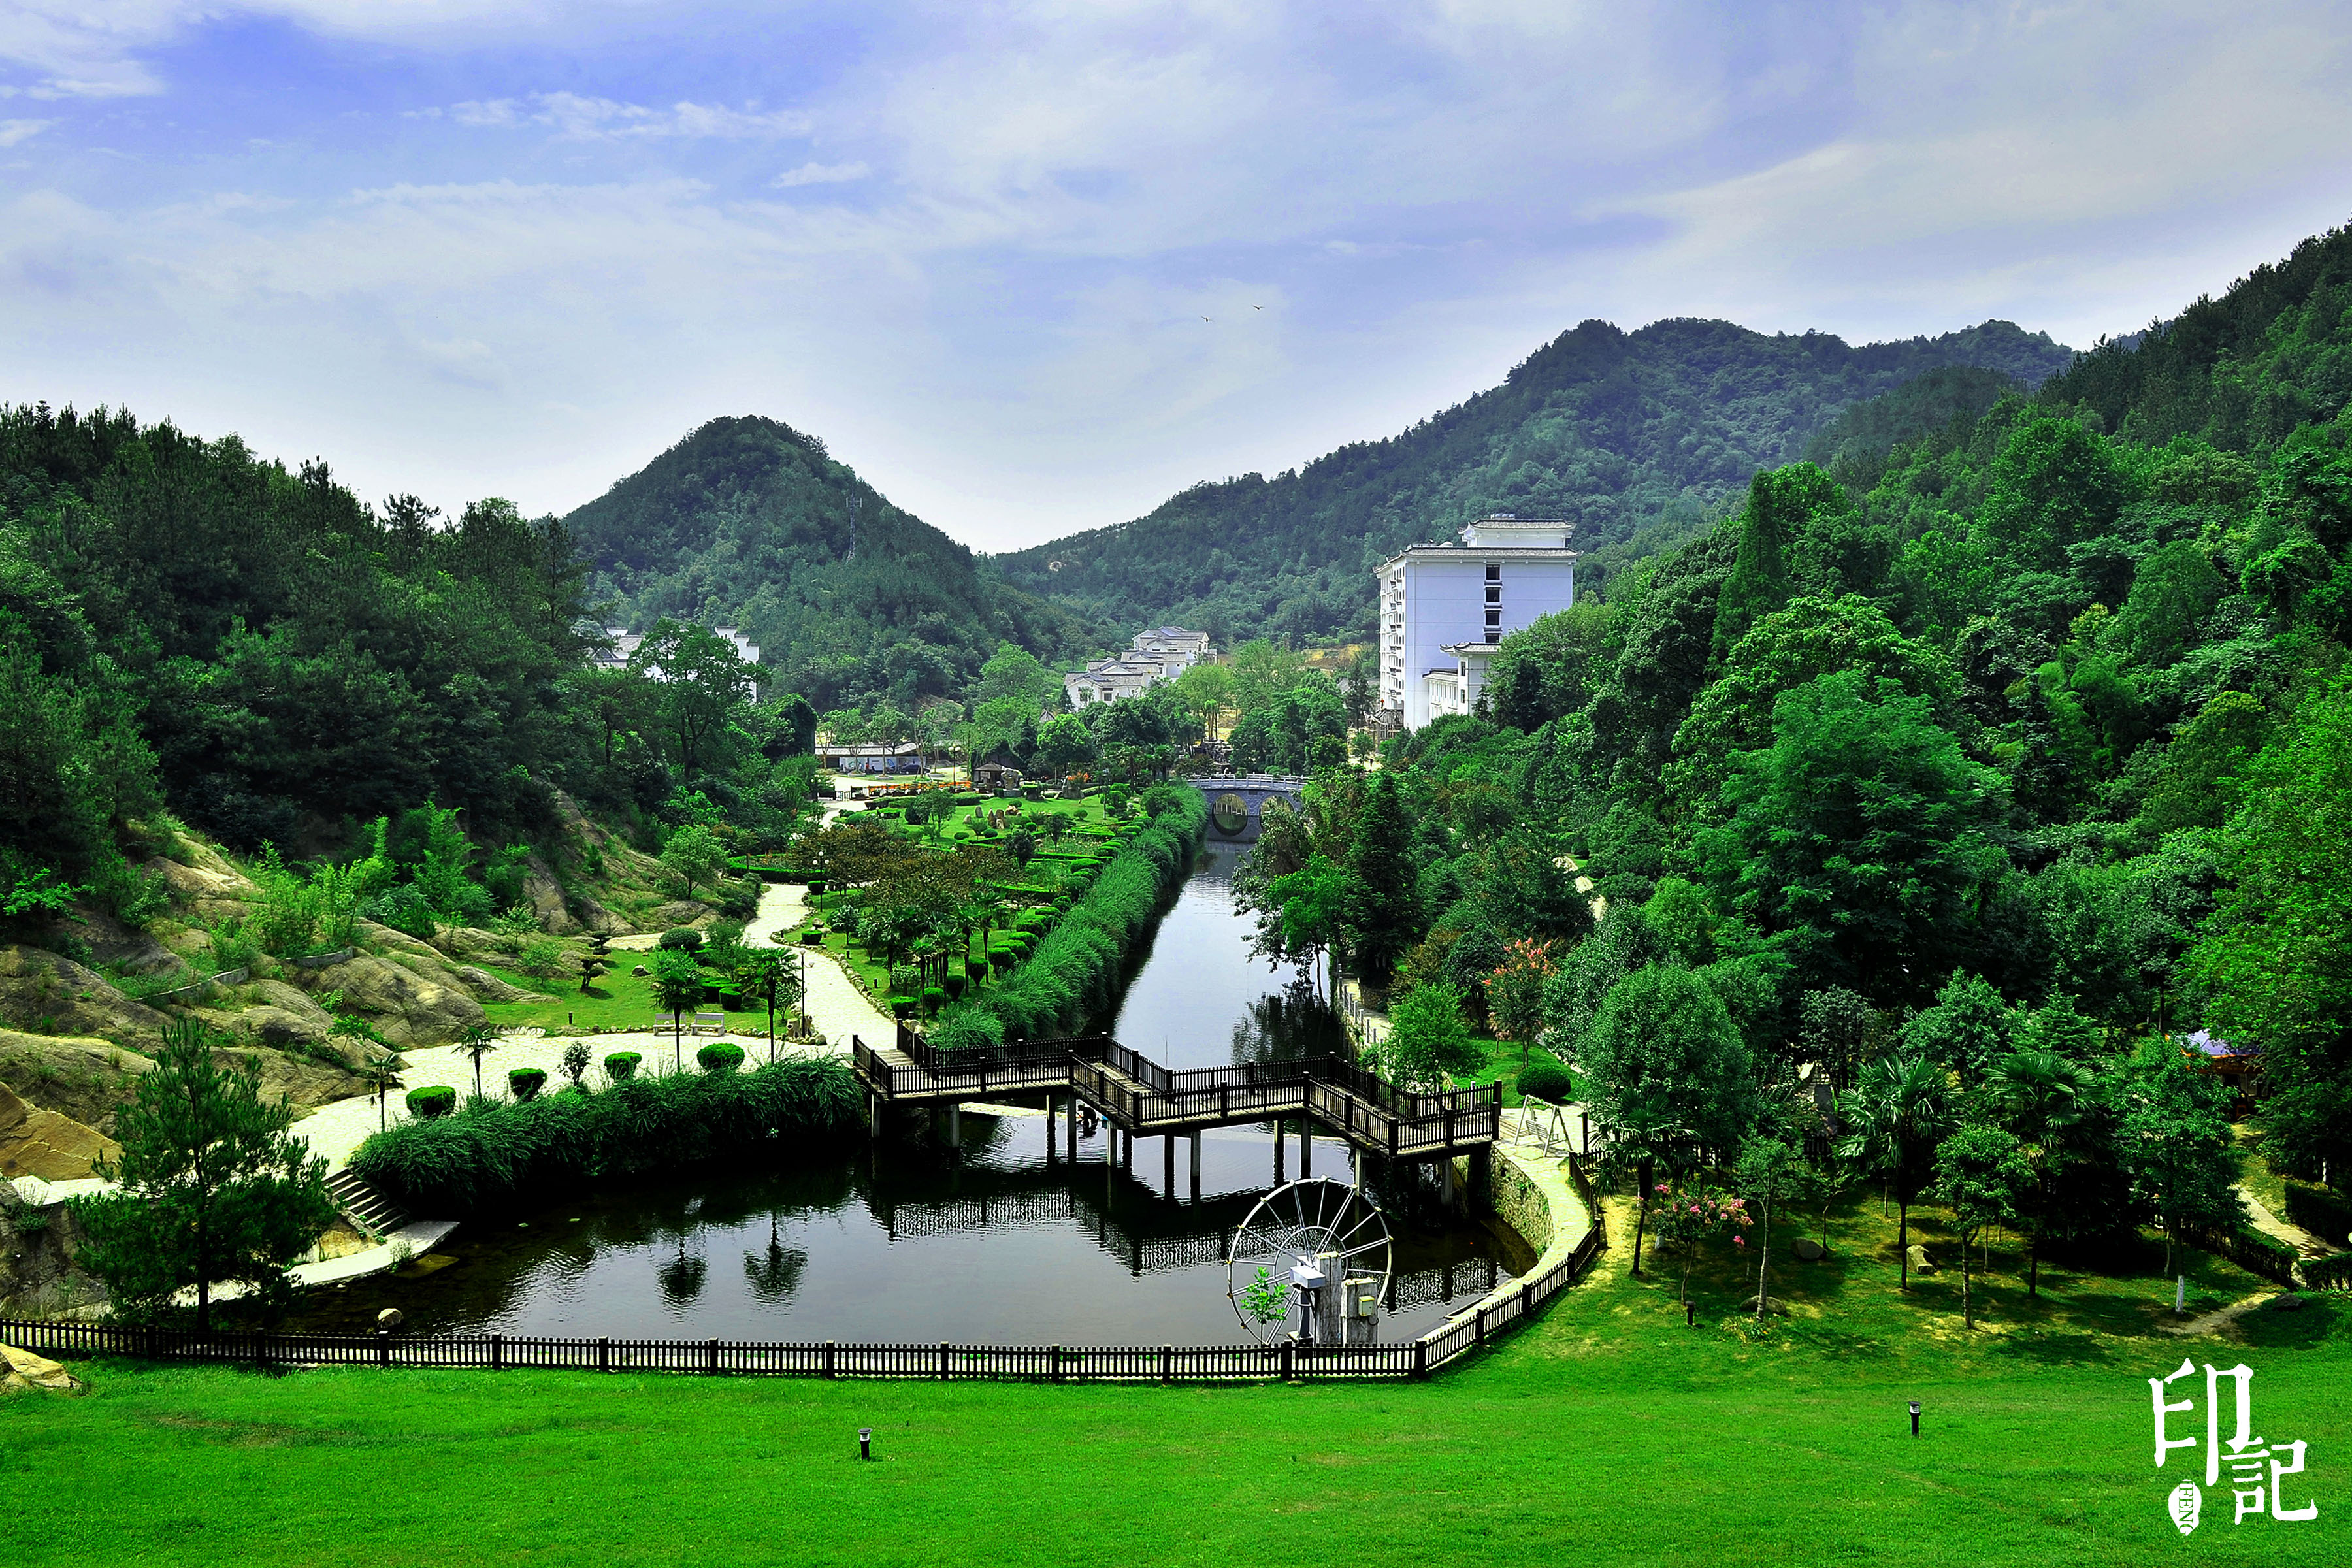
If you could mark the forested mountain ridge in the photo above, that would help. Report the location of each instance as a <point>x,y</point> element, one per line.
<point>1607,428</point>
<point>749,520</point>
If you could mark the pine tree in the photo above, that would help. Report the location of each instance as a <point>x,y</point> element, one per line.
<point>1387,920</point>
<point>211,1187</point>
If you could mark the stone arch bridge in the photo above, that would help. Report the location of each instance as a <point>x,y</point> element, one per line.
<point>1237,803</point>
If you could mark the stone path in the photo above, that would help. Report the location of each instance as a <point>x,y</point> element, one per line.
<point>2295,1235</point>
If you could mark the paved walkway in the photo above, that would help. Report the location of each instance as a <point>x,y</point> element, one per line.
<point>2294,1235</point>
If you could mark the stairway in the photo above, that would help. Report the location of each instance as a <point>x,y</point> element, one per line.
<point>367,1209</point>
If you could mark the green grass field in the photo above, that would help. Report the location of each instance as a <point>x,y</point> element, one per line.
<point>1607,1430</point>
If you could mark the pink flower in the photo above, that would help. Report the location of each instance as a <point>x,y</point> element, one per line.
<point>1738,1241</point>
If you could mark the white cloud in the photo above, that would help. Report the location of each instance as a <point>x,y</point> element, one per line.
<point>14,130</point>
<point>821,174</point>
<point>575,118</point>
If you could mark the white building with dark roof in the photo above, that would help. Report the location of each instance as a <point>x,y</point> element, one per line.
<point>1445,605</point>
<point>1162,654</point>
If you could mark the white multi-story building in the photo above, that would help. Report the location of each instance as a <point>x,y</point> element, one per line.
<point>1445,605</point>
<point>1162,654</point>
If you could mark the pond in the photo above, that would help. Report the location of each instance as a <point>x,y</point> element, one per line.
<point>986,1240</point>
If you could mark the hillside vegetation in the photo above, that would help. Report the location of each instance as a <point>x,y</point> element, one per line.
<point>1608,429</point>
<point>850,599</point>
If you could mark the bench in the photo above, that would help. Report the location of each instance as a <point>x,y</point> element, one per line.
<point>708,1023</point>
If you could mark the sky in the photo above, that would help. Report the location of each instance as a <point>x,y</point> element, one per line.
<point>1032,267</point>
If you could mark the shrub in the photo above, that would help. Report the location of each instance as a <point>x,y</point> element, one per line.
<point>904,980</point>
<point>901,1006</point>
<point>542,958</point>
<point>425,1104</point>
<point>525,1083</point>
<point>622,1065</point>
<point>487,1156</point>
<point>934,998</point>
<point>954,987</point>
<point>720,1055</point>
<point>2322,1211</point>
<point>681,937</point>
<point>1546,1080</point>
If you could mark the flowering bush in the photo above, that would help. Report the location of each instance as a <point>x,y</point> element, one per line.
<point>1684,1216</point>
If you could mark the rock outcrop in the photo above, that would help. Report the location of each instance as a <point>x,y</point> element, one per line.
<point>46,993</point>
<point>36,1142</point>
<point>77,1077</point>
<point>410,1003</point>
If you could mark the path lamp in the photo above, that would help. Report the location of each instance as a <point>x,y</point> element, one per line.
<point>866,1442</point>
<point>1914,1418</point>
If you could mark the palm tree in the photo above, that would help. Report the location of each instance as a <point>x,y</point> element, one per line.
<point>1639,1139</point>
<point>1896,1113</point>
<point>478,1042</point>
<point>678,990</point>
<point>383,1071</point>
<point>2038,1095</point>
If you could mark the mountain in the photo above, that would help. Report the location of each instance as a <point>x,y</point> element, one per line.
<point>1609,428</point>
<point>750,521</point>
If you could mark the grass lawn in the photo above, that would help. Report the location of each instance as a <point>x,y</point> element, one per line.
<point>1502,1064</point>
<point>1606,1431</point>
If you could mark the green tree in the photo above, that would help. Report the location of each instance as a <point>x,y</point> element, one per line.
<point>2273,960</point>
<point>695,853</point>
<point>1966,1031</point>
<point>1427,1038</point>
<point>1515,991</point>
<point>1315,901</point>
<point>678,991</point>
<point>1387,919</point>
<point>2177,1147</point>
<point>212,1188</point>
<point>1898,1110</point>
<point>1982,1173</point>
<point>2038,1096</point>
<point>1859,834</point>
<point>478,1041</point>
<point>1064,746</point>
<point>1783,504</point>
<point>701,683</point>
<point>1773,1172</point>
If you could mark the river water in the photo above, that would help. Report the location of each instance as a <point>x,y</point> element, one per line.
<point>984,1240</point>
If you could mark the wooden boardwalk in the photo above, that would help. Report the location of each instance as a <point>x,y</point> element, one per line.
<point>1141,1099</point>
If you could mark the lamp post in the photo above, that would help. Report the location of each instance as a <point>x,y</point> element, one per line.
<point>1914,1418</point>
<point>866,1440</point>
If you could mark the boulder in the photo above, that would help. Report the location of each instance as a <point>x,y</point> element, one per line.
<point>1919,1264</point>
<point>488,987</point>
<point>278,1016</point>
<point>683,913</point>
<point>471,944</point>
<point>26,1372</point>
<point>1808,1250</point>
<point>408,1007</point>
<point>45,992</point>
<point>36,1142</point>
<point>595,917</point>
<point>211,886</point>
<point>77,1077</point>
<point>302,1082</point>
<point>2289,1302</point>
<point>1773,1307</point>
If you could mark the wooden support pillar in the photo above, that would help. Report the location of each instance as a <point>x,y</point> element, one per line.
<point>873,1115</point>
<point>1196,1164</point>
<point>1445,1183</point>
<point>1277,1150</point>
<point>1052,1116</point>
<point>955,1123</point>
<point>1305,1147</point>
<point>1482,1173</point>
<point>1127,1152</point>
<point>1168,1166</point>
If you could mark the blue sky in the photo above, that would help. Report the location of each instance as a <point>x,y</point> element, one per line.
<point>468,248</point>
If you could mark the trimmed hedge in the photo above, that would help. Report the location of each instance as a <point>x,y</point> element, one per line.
<point>681,937</point>
<point>2329,1273</point>
<point>437,1100</point>
<point>2250,1249</point>
<point>1547,1081</point>
<point>525,1083</point>
<point>1074,968</point>
<point>622,1065</point>
<point>2322,1211</point>
<point>492,1154</point>
<point>720,1055</point>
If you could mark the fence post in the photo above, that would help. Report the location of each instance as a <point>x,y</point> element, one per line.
<point>1420,1361</point>
<point>605,1353</point>
<point>1167,1363</point>
<point>1054,1364</point>
<point>1289,1361</point>
<point>498,1353</point>
<point>943,1361</point>
<point>828,1358</point>
<point>1482,1324</point>
<point>710,1356</point>
<point>384,1347</point>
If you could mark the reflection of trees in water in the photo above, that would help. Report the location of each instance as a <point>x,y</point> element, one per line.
<point>774,1274</point>
<point>1292,1022</point>
<point>681,1277</point>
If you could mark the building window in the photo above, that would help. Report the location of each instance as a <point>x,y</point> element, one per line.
<point>1494,592</point>
<point>1494,574</point>
<point>1495,618</point>
<point>1494,634</point>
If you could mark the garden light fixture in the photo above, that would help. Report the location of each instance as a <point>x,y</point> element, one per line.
<point>866,1439</point>
<point>1914,1418</point>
